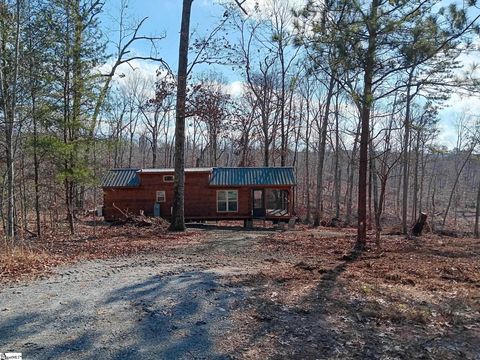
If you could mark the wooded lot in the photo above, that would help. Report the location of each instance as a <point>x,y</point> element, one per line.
<point>361,98</point>
<point>348,94</point>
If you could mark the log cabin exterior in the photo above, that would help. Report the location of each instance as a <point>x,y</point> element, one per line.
<point>210,193</point>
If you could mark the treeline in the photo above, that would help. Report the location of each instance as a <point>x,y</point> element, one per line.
<point>346,92</point>
<point>52,94</point>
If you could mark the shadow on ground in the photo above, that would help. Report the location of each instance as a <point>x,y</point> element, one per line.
<point>171,317</point>
<point>302,330</point>
<point>350,311</point>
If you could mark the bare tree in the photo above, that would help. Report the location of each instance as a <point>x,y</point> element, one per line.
<point>471,136</point>
<point>210,104</point>
<point>156,111</point>
<point>10,21</point>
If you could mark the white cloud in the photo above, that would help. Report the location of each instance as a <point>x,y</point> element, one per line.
<point>463,104</point>
<point>235,88</point>
<point>263,9</point>
<point>456,107</point>
<point>447,136</point>
<point>135,73</point>
<point>134,68</point>
<point>460,104</point>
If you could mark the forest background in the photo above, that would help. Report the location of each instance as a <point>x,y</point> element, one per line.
<point>329,88</point>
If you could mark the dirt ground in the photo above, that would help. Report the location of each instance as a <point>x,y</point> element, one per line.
<point>229,293</point>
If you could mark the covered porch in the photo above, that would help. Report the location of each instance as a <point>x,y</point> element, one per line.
<point>272,203</point>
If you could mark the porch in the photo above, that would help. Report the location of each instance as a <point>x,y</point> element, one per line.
<point>272,203</point>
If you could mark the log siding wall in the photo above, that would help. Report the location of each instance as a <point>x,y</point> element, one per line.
<point>200,198</point>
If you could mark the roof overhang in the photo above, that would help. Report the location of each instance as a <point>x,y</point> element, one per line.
<point>253,177</point>
<point>219,177</point>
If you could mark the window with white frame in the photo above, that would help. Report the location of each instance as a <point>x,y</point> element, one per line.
<point>227,200</point>
<point>161,196</point>
<point>168,178</point>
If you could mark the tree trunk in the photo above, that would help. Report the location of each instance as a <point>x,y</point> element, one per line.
<point>77,97</point>
<point>433,204</point>
<point>349,195</point>
<point>418,228</point>
<point>9,94</point>
<point>178,214</point>
<point>398,192</point>
<point>297,133</point>
<point>307,167</point>
<point>422,178</point>
<point>374,189</point>
<point>369,218</point>
<point>378,214</point>
<point>283,140</point>
<point>367,100</point>
<point>36,166</point>
<point>69,205</point>
<point>266,149</point>
<point>477,214</point>
<point>321,154</point>
<point>23,194</point>
<point>338,170</point>
<point>415,177</point>
<point>406,146</point>
<point>10,182</point>
<point>154,148</point>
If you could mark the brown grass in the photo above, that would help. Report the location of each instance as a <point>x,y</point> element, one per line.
<point>24,260</point>
<point>34,256</point>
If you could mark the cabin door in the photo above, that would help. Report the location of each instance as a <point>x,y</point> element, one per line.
<point>258,200</point>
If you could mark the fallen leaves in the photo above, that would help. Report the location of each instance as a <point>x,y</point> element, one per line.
<point>377,304</point>
<point>92,241</point>
<point>306,294</point>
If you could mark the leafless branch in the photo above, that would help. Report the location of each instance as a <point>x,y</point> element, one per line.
<point>240,5</point>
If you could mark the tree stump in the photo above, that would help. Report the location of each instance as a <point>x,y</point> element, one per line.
<point>418,227</point>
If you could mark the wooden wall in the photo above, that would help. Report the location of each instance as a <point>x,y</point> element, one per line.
<point>200,198</point>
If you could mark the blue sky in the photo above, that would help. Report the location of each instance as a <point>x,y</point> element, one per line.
<point>164,17</point>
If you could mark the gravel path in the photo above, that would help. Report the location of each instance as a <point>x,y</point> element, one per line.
<point>169,306</point>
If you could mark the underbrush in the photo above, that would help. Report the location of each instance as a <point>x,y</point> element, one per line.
<point>21,259</point>
<point>36,256</point>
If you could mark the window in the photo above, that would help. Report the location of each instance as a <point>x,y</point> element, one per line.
<point>161,196</point>
<point>227,200</point>
<point>168,178</point>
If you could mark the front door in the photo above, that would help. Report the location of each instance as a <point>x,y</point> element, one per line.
<point>258,203</point>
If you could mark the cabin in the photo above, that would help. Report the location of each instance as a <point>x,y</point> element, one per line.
<point>210,193</point>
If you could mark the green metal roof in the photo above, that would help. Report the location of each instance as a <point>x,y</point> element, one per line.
<point>117,178</point>
<point>263,176</point>
<point>272,176</point>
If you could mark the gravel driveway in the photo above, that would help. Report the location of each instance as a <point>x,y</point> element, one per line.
<point>159,306</point>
